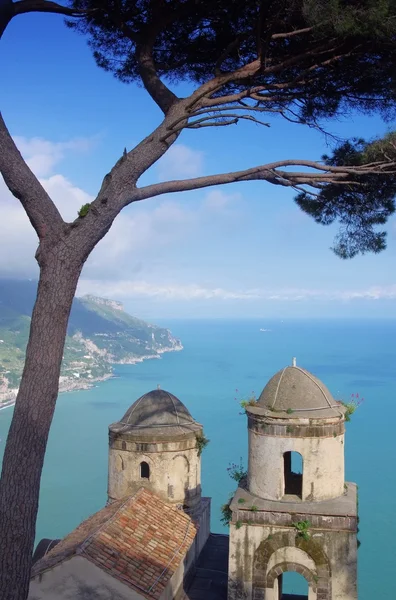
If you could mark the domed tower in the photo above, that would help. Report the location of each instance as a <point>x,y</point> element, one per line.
<point>295,512</point>
<point>154,445</point>
<point>296,423</point>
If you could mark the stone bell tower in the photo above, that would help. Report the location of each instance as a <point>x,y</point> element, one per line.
<point>154,445</point>
<point>295,512</point>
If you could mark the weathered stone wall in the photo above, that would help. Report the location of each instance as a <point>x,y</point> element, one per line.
<point>201,516</point>
<point>322,455</point>
<point>259,554</point>
<point>175,469</point>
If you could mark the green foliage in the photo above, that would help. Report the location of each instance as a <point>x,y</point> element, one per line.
<point>226,514</point>
<point>289,411</point>
<point>302,528</point>
<point>248,402</point>
<point>319,59</point>
<point>237,472</point>
<point>238,524</point>
<point>351,406</point>
<point>241,501</point>
<point>192,39</point>
<point>350,409</point>
<point>84,210</point>
<point>253,508</point>
<point>201,442</point>
<point>367,202</point>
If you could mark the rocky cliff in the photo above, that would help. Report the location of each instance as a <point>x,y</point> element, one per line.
<point>100,334</point>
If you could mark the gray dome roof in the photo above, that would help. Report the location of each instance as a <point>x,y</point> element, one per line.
<point>157,412</point>
<point>298,393</point>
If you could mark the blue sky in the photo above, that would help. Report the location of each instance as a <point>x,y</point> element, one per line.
<point>234,251</point>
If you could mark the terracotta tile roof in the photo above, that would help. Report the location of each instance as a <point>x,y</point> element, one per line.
<point>140,541</point>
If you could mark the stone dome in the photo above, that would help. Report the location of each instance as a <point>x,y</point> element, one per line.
<point>158,412</point>
<point>298,393</point>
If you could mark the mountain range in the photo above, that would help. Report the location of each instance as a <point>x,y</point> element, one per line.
<point>100,334</point>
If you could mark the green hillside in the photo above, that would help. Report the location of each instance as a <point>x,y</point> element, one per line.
<point>100,333</point>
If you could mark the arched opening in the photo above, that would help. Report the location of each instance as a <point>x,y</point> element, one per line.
<point>292,586</point>
<point>293,470</point>
<point>144,470</point>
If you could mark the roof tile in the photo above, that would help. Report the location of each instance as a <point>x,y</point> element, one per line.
<point>140,541</point>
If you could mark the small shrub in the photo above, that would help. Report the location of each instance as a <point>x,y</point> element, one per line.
<point>241,501</point>
<point>253,508</point>
<point>289,411</point>
<point>251,400</point>
<point>201,443</point>
<point>237,472</point>
<point>351,406</point>
<point>238,524</point>
<point>84,210</point>
<point>302,528</point>
<point>226,514</point>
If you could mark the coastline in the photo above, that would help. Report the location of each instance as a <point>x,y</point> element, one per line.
<point>86,384</point>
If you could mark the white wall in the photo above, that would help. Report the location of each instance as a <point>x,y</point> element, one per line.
<point>323,465</point>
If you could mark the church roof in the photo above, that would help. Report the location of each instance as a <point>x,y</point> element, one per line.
<point>140,541</point>
<point>298,393</point>
<point>158,412</point>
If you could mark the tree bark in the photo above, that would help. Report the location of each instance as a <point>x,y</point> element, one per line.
<point>34,409</point>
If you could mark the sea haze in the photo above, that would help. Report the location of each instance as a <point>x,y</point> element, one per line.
<point>219,357</point>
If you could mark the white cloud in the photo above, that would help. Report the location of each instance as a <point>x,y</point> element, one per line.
<point>134,289</point>
<point>42,155</point>
<point>138,234</point>
<point>218,201</point>
<point>124,289</point>
<point>180,162</point>
<point>67,197</point>
<point>371,293</point>
<point>18,240</point>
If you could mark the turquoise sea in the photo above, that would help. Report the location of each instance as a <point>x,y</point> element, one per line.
<point>220,356</point>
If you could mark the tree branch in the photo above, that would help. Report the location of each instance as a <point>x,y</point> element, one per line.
<point>25,6</point>
<point>272,174</point>
<point>9,9</point>
<point>159,92</point>
<point>24,185</point>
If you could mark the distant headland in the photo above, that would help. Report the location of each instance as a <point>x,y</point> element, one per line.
<point>100,334</point>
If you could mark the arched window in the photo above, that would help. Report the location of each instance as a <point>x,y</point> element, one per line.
<point>292,585</point>
<point>293,470</point>
<point>144,470</point>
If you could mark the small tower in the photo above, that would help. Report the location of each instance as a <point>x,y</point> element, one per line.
<point>154,445</point>
<point>295,512</point>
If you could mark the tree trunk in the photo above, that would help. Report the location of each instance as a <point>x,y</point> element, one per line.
<point>34,409</point>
